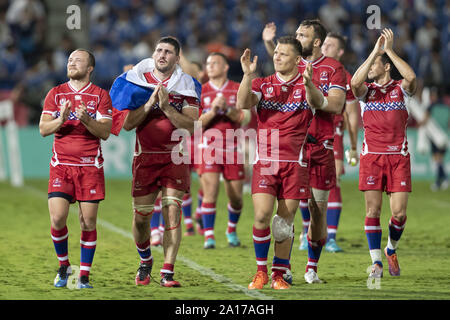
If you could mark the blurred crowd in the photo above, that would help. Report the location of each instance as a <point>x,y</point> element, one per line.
<point>122,32</point>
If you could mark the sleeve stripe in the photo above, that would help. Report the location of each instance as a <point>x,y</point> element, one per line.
<point>338,86</point>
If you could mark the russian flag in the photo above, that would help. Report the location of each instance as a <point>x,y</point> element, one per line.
<point>131,90</point>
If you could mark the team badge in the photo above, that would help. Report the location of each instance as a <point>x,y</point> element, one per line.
<point>57,182</point>
<point>394,94</point>
<point>262,183</point>
<point>207,100</point>
<point>370,180</point>
<point>298,94</point>
<point>232,100</point>
<point>91,105</point>
<point>324,76</point>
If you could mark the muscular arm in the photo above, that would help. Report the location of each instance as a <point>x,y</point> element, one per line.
<point>100,128</point>
<point>135,117</point>
<point>188,67</point>
<point>245,97</point>
<point>183,120</point>
<point>359,89</point>
<point>49,125</point>
<point>206,118</point>
<point>336,101</point>
<point>409,83</point>
<point>352,116</point>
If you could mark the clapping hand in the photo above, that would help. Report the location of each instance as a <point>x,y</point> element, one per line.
<point>269,32</point>
<point>81,113</point>
<point>64,111</point>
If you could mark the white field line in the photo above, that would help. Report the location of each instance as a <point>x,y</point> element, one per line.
<point>188,262</point>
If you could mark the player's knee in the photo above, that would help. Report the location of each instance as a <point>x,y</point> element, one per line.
<point>236,203</point>
<point>173,205</point>
<point>88,224</point>
<point>282,229</point>
<point>142,213</point>
<point>399,215</point>
<point>58,221</point>
<point>373,211</point>
<point>262,220</point>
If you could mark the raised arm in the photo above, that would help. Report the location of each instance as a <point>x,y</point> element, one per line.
<point>409,83</point>
<point>314,96</point>
<point>245,97</point>
<point>268,36</point>
<point>357,83</point>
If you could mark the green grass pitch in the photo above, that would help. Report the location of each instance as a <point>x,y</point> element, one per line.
<point>28,262</point>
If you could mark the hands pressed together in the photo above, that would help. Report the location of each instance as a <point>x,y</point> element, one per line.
<point>160,95</point>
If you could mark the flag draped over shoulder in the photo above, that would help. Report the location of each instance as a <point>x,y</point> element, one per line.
<point>131,90</point>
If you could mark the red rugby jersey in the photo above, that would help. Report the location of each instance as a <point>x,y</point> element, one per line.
<point>282,106</point>
<point>220,122</point>
<point>73,143</point>
<point>153,135</point>
<point>385,115</point>
<point>328,74</point>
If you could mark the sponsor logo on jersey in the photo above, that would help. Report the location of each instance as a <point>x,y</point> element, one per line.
<point>392,148</point>
<point>91,105</point>
<point>57,182</point>
<point>262,183</point>
<point>92,191</point>
<point>370,180</point>
<point>86,160</point>
<point>394,94</point>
